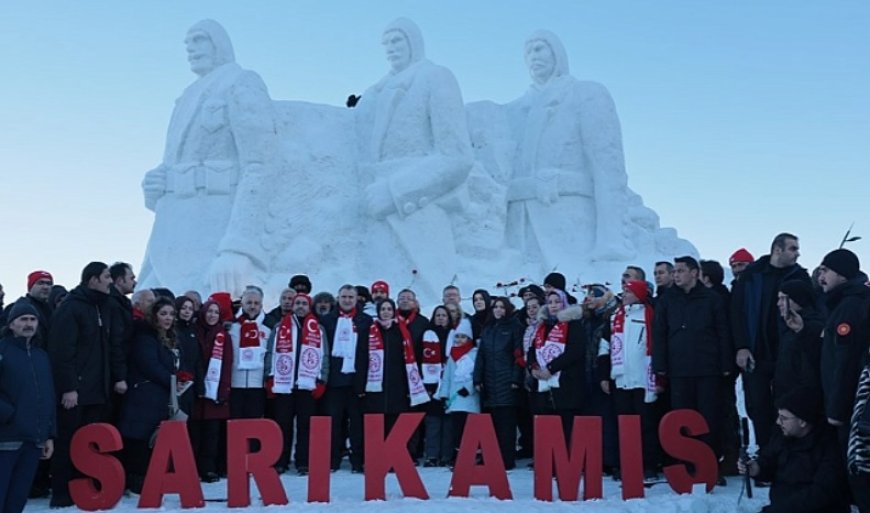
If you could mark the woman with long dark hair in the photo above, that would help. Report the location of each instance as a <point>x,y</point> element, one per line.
<point>188,350</point>
<point>152,362</point>
<point>391,387</point>
<point>498,375</point>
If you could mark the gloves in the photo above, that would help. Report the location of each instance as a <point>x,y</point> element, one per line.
<point>519,359</point>
<point>319,390</point>
<point>463,392</point>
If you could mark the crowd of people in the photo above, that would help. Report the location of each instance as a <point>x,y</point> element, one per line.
<point>107,351</point>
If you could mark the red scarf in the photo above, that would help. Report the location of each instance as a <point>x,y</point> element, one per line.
<point>407,320</point>
<point>249,332</point>
<point>375,381</point>
<point>549,347</point>
<point>618,325</point>
<point>457,352</point>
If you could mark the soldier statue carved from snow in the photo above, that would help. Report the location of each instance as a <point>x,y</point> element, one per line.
<point>415,156</point>
<point>208,195</point>
<point>566,198</point>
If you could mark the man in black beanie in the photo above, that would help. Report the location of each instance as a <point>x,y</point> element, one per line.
<point>300,283</point>
<point>797,363</point>
<point>556,280</point>
<point>802,460</point>
<point>845,339</point>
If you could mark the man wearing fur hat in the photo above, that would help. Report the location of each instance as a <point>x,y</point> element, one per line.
<point>845,338</point>
<point>802,459</point>
<point>756,326</point>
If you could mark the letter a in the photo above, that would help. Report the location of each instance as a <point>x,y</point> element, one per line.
<point>479,434</point>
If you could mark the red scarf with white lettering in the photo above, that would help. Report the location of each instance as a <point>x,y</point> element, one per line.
<point>251,351</point>
<point>431,358</point>
<point>375,381</point>
<point>215,363</point>
<point>548,347</point>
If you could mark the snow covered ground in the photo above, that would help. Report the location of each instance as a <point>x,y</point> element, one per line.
<point>347,494</point>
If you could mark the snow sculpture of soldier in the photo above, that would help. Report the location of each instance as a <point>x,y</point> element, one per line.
<point>415,156</point>
<point>209,193</point>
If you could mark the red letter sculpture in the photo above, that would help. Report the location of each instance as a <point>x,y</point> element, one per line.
<point>687,449</point>
<point>242,463</point>
<point>88,453</point>
<point>383,454</point>
<point>479,434</point>
<point>172,450</point>
<point>631,457</point>
<point>320,452</point>
<point>551,458</point>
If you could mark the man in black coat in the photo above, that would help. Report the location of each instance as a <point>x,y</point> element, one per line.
<point>87,362</point>
<point>845,338</point>
<point>692,346</point>
<point>800,346</point>
<point>348,331</point>
<point>757,326</point>
<point>802,460</point>
<point>285,307</point>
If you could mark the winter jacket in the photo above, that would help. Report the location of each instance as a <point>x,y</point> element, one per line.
<point>361,322</point>
<point>571,364</point>
<point>635,368</point>
<point>495,369</point>
<point>85,346</point>
<point>146,402</point>
<point>273,317</point>
<point>844,346</point>
<point>807,474</point>
<point>459,375</point>
<point>690,334</point>
<point>799,355</point>
<point>244,378</point>
<point>188,359</point>
<point>395,396</point>
<point>27,400</point>
<point>749,316</point>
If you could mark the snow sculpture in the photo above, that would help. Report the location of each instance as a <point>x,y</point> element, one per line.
<point>208,194</point>
<point>415,156</point>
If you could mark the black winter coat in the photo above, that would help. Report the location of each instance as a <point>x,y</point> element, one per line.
<point>844,347</point>
<point>571,365</point>
<point>395,396</point>
<point>690,334</point>
<point>495,368</point>
<point>799,355</point>
<point>85,346</point>
<point>362,323</point>
<point>146,402</point>
<point>27,400</point>
<point>807,474</point>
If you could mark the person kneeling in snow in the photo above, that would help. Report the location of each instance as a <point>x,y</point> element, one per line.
<point>802,460</point>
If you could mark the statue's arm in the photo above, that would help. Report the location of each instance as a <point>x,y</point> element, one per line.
<point>451,158</point>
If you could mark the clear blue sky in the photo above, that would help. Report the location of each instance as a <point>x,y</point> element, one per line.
<point>740,119</point>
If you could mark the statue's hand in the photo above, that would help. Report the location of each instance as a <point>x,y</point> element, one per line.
<point>229,273</point>
<point>378,200</point>
<point>154,186</point>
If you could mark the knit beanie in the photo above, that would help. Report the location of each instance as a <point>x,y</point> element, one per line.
<point>798,291</point>
<point>555,280</point>
<point>741,255</point>
<point>803,401</point>
<point>843,262</point>
<point>19,309</point>
<point>639,288</point>
<point>225,303</point>
<point>35,276</point>
<point>382,286</point>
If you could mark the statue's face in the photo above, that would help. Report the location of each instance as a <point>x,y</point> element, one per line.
<point>398,49</point>
<point>540,60</point>
<point>200,52</point>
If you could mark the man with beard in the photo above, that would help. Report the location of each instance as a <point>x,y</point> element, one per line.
<point>88,362</point>
<point>285,307</point>
<point>39,285</point>
<point>347,330</point>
